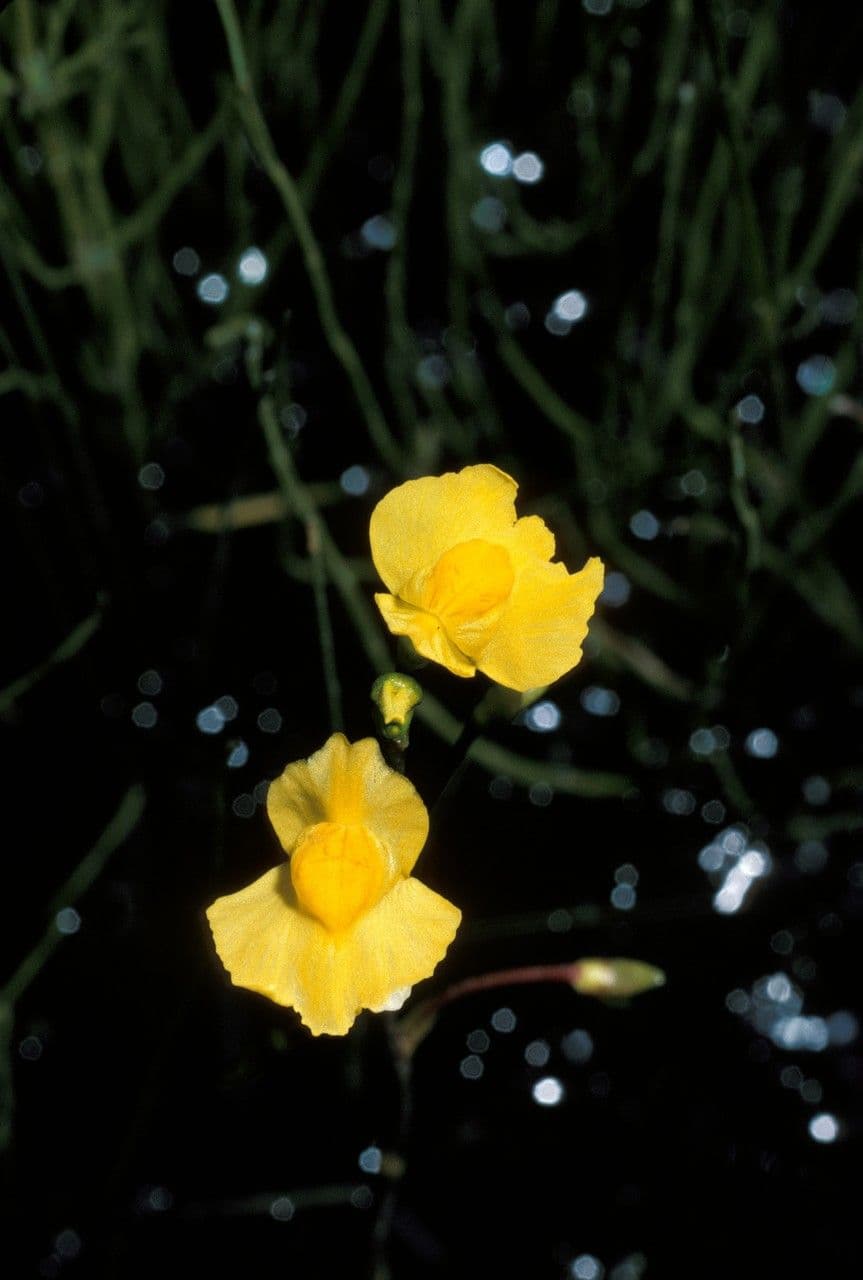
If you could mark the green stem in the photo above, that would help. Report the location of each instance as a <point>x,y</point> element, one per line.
<point>325,626</point>
<point>340,344</point>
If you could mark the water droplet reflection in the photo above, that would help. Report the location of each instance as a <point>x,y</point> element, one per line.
<point>496,159</point>
<point>586,1267</point>
<point>528,168</point>
<point>370,1160</point>
<point>644,525</point>
<point>537,1053</point>
<point>543,717</point>
<point>67,920</point>
<point>186,262</point>
<point>213,289</point>
<point>816,375</point>
<point>503,1020</point>
<point>750,410</point>
<point>824,1127</point>
<point>253,266</point>
<point>282,1209</point>
<point>471,1067</point>
<point>355,481</point>
<point>548,1091</point>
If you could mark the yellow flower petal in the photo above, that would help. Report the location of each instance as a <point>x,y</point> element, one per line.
<point>539,634</point>
<point>426,634</point>
<point>349,784</point>
<point>473,587</point>
<point>533,539</point>
<point>268,944</point>
<point>414,524</point>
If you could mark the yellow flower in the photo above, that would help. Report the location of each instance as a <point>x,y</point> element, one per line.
<point>343,926</point>
<point>473,586</point>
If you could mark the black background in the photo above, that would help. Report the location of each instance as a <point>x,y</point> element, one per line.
<point>166,1111</point>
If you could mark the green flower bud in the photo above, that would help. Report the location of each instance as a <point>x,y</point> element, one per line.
<point>395,697</point>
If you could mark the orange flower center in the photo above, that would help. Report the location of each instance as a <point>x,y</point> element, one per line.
<point>468,581</point>
<point>338,873</point>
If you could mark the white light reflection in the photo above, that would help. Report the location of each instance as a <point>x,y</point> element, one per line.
<point>548,1091</point>
<point>395,1000</point>
<point>739,864</point>
<point>186,262</point>
<point>211,720</point>
<point>678,801</point>
<point>543,717</point>
<point>471,1067</point>
<point>587,1267</point>
<point>253,266</point>
<point>496,159</point>
<point>816,375</point>
<point>244,806</point>
<point>145,715</point>
<point>151,476</point>
<point>270,720</point>
<point>537,1053</point>
<point>213,289</point>
<point>693,484</point>
<point>644,525</point>
<point>282,1209</point>
<point>713,812</point>
<point>432,372</point>
<point>570,306</point>
<point>489,214</point>
<point>503,1020</point>
<point>775,1009</point>
<point>616,590</point>
<point>566,310</point>
<point>378,233</point>
<point>370,1160</point>
<point>761,743</point>
<point>750,410</point>
<point>478,1041</point>
<point>598,701</point>
<point>67,920</point>
<point>150,683</point>
<point>528,168</point>
<point>577,1045</point>
<point>355,481</point>
<point>824,1127</point>
<point>623,897</point>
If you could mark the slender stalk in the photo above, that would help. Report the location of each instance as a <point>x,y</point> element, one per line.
<point>325,626</point>
<point>340,344</point>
